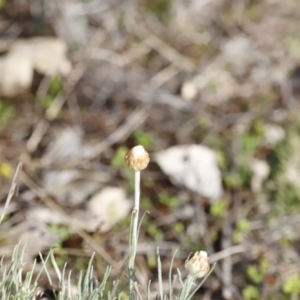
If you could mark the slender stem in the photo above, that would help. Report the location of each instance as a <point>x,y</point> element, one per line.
<point>160,284</point>
<point>134,229</point>
<point>137,180</point>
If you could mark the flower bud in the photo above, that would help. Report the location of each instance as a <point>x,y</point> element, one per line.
<point>137,158</point>
<point>198,265</point>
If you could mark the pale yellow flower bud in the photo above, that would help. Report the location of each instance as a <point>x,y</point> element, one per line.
<point>137,158</point>
<point>198,265</point>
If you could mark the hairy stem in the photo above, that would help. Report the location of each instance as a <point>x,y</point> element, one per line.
<point>134,232</point>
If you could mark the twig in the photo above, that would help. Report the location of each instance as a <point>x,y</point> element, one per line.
<point>136,287</point>
<point>169,53</point>
<point>227,252</point>
<point>11,191</point>
<point>152,96</point>
<point>134,120</point>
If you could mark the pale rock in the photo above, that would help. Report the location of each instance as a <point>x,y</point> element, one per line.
<point>106,208</point>
<point>194,167</point>
<point>189,90</point>
<point>45,55</point>
<point>16,74</point>
<point>260,172</point>
<point>273,134</point>
<point>48,55</point>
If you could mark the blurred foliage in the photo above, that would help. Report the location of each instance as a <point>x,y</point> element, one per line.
<point>251,292</point>
<point>54,88</point>
<point>123,296</point>
<point>232,180</point>
<point>281,192</point>
<point>291,285</point>
<point>154,232</point>
<point>143,138</point>
<point>277,158</point>
<point>252,138</point>
<point>160,8</point>
<point>146,203</point>
<point>252,13</point>
<point>6,170</point>
<point>293,44</point>
<point>117,160</point>
<point>6,112</point>
<point>167,200</point>
<point>257,273</point>
<point>219,209</point>
<point>64,231</point>
<point>179,227</point>
<point>2,3</point>
<point>242,227</point>
<point>287,198</point>
<point>151,260</point>
<point>55,85</point>
<point>61,253</point>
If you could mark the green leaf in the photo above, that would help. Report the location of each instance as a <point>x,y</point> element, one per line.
<point>155,232</point>
<point>232,180</point>
<point>2,3</point>
<point>168,200</point>
<point>250,292</point>
<point>243,225</point>
<point>179,227</point>
<point>143,138</point>
<point>292,285</point>
<point>254,274</point>
<point>6,112</point>
<point>219,209</point>
<point>56,85</point>
<point>6,170</point>
<point>118,159</point>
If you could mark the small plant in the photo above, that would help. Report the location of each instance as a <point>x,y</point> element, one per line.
<point>19,285</point>
<point>250,292</point>
<point>291,285</point>
<point>6,111</point>
<point>136,159</point>
<point>198,265</point>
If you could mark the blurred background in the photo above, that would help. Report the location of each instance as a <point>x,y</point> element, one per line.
<point>210,89</point>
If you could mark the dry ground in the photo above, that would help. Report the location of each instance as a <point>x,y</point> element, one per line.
<point>162,73</point>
